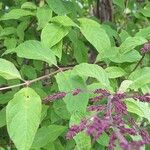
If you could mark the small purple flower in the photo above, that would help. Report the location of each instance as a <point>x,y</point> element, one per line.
<point>76,92</point>
<point>120,107</point>
<point>124,146</point>
<point>101,91</point>
<point>112,141</point>
<point>130,131</point>
<point>55,96</point>
<point>146,48</point>
<point>118,120</point>
<point>143,98</point>
<point>145,136</point>
<point>98,126</point>
<point>136,145</point>
<point>96,108</point>
<point>96,98</point>
<point>74,129</point>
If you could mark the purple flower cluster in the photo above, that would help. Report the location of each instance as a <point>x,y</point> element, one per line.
<point>101,94</point>
<point>112,140</point>
<point>93,126</point>
<point>75,129</point>
<point>146,48</point>
<point>111,118</point>
<point>115,117</point>
<point>53,97</point>
<point>60,95</point>
<point>143,98</point>
<point>96,108</point>
<point>76,92</point>
<point>97,126</point>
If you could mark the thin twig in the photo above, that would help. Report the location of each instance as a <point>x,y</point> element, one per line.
<point>138,63</point>
<point>27,83</point>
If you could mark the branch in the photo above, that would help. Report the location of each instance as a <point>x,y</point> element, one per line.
<point>27,83</point>
<point>138,63</point>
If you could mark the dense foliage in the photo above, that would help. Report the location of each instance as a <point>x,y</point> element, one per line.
<point>74,74</point>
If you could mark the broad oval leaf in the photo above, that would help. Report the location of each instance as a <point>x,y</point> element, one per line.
<point>28,5</point>
<point>33,49</point>
<point>119,3</point>
<point>23,114</point>
<point>47,134</point>
<point>115,72</point>
<point>57,6</point>
<point>93,70</point>
<point>85,144</point>
<point>52,34</point>
<point>131,56</point>
<point>132,106</point>
<point>131,42</point>
<point>44,14</point>
<point>95,34</point>
<point>146,11</point>
<point>145,32</point>
<point>68,81</point>
<point>140,108</point>
<point>8,70</point>
<point>64,20</point>
<point>140,77</point>
<point>16,14</point>
<point>125,85</point>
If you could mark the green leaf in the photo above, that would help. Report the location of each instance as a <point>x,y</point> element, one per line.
<point>68,81</point>
<point>8,31</point>
<point>28,5</point>
<point>23,114</point>
<point>115,72</point>
<point>8,70</point>
<point>33,49</point>
<point>47,134</point>
<point>2,117</point>
<point>64,20</point>
<point>142,109</point>
<point>50,146</point>
<point>146,11</point>
<point>21,30</point>
<point>80,50</point>
<point>10,43</point>
<point>44,14</point>
<point>120,3</point>
<point>16,14</point>
<point>83,141</point>
<point>125,85</point>
<point>57,6</point>
<point>145,32</point>
<point>140,77</point>
<point>131,42</point>
<point>5,98</point>
<point>131,56</point>
<point>95,34</point>
<point>53,34</point>
<point>103,139</point>
<point>28,71</point>
<point>94,71</point>
<point>60,110</point>
<point>133,107</point>
<point>124,35</point>
<point>57,49</point>
<point>81,144</point>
